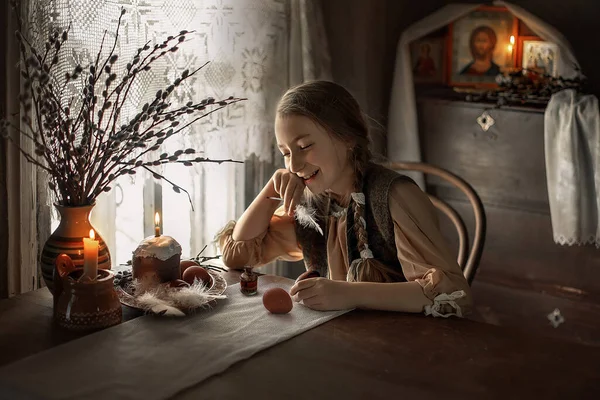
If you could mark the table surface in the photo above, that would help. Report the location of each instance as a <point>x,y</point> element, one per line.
<point>362,354</point>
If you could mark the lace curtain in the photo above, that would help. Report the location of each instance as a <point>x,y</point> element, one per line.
<point>255,49</point>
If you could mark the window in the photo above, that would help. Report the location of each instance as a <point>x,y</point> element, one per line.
<point>245,43</point>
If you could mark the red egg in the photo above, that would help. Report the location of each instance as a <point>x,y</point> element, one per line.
<point>277,301</point>
<point>185,264</point>
<point>178,283</point>
<point>197,273</point>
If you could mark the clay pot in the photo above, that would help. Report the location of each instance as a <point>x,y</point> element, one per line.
<point>68,239</point>
<point>84,305</point>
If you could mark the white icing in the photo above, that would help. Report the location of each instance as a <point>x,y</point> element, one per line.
<point>161,247</point>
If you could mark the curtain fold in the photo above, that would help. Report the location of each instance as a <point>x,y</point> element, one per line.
<point>20,195</point>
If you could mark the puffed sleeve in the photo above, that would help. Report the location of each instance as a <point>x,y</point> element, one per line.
<point>277,242</point>
<point>424,254</point>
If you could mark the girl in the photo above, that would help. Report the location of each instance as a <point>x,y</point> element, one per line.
<point>369,236</point>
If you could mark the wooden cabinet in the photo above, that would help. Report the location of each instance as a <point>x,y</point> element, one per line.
<point>506,166</point>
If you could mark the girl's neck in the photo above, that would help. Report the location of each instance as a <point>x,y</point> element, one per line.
<point>342,194</point>
<point>341,199</point>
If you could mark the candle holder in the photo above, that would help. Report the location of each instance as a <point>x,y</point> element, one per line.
<point>84,304</point>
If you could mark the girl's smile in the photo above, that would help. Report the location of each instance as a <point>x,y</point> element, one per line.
<point>310,178</point>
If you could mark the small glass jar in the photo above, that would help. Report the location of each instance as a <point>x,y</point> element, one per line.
<point>249,282</point>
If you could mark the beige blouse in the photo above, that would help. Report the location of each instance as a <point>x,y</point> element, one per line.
<point>422,251</point>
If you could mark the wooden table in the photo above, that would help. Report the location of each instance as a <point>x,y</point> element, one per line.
<point>363,355</point>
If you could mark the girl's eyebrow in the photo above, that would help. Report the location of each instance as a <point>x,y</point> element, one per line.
<point>296,139</point>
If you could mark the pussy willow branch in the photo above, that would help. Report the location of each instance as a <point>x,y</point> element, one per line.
<point>83,149</point>
<point>174,185</point>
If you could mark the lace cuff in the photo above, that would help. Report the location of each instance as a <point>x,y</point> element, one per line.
<point>450,295</point>
<point>445,305</point>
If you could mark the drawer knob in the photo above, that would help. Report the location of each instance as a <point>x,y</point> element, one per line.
<point>485,121</point>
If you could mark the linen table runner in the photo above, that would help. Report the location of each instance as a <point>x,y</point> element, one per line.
<point>155,357</point>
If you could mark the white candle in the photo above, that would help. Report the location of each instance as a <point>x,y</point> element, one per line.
<point>157,225</point>
<point>90,256</point>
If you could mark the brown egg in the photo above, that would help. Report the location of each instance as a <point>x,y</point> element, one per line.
<point>185,264</point>
<point>277,301</point>
<point>178,283</point>
<point>199,273</point>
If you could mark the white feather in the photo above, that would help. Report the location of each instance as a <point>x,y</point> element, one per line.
<point>305,215</point>
<point>151,302</point>
<point>164,300</point>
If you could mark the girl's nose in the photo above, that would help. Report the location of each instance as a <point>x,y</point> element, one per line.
<point>296,163</point>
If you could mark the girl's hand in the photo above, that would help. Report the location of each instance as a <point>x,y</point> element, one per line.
<point>322,294</point>
<point>290,188</point>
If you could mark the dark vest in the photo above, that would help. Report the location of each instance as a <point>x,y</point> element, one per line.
<point>380,227</point>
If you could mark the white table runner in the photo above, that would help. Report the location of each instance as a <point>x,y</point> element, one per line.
<point>155,357</point>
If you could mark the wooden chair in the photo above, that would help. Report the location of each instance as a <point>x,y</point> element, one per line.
<point>470,263</point>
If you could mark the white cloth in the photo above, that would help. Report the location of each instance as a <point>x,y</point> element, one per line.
<point>156,357</point>
<point>572,146</point>
<point>403,133</point>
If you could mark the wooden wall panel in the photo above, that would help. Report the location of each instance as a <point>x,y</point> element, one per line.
<point>505,165</point>
<point>520,253</point>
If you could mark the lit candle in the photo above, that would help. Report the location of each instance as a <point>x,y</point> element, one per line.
<point>90,256</point>
<point>157,223</point>
<point>511,46</point>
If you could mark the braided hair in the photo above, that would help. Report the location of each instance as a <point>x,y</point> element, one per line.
<point>335,109</point>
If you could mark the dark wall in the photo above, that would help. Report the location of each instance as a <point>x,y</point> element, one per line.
<point>363,36</point>
<point>523,275</point>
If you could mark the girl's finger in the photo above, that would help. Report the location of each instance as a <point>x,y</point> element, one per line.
<point>303,284</point>
<point>290,190</point>
<point>305,294</point>
<point>277,182</point>
<point>296,198</point>
<point>314,303</point>
<point>281,187</point>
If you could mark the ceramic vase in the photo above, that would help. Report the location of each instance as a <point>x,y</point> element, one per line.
<point>68,239</point>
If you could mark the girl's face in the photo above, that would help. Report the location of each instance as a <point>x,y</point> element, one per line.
<point>314,155</point>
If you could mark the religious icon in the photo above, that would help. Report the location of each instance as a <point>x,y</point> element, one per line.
<point>427,59</point>
<point>481,46</point>
<point>539,57</point>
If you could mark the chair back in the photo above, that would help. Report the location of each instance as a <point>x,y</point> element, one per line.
<point>467,259</point>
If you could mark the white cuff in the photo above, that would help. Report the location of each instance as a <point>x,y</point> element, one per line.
<point>444,299</point>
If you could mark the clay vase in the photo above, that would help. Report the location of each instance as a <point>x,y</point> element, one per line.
<point>68,239</point>
<point>84,305</point>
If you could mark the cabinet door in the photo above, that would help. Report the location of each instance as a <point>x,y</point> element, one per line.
<point>505,164</point>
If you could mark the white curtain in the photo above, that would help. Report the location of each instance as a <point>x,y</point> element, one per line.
<point>403,132</point>
<point>255,49</point>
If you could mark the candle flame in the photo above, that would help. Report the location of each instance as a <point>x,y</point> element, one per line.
<point>92,234</point>
<point>156,219</point>
<point>512,39</point>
